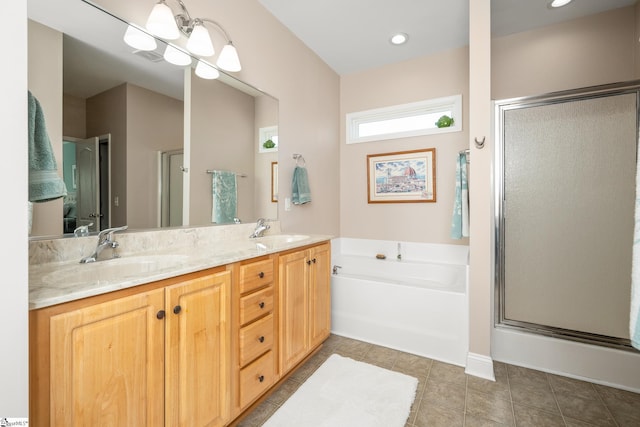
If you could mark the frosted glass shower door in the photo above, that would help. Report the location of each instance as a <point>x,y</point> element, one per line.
<point>567,214</point>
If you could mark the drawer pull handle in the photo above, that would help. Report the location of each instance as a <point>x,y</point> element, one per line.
<point>177,309</point>
<point>261,275</point>
<point>261,305</point>
<point>261,378</point>
<point>261,339</point>
<point>160,314</point>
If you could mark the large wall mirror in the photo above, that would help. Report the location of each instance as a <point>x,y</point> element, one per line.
<point>145,140</point>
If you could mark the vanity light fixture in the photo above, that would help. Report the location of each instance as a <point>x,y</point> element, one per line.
<point>176,56</point>
<point>139,39</point>
<point>166,24</point>
<point>399,38</point>
<point>204,70</point>
<point>559,3</point>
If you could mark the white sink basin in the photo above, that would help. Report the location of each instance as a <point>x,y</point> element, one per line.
<point>281,239</point>
<point>113,269</point>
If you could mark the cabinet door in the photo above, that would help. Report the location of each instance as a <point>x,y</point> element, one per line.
<point>107,363</point>
<point>197,367</point>
<point>319,294</point>
<point>294,318</point>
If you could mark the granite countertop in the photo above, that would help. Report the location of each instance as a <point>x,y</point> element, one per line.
<point>59,282</point>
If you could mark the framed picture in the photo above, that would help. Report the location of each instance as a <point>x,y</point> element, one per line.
<point>402,177</point>
<point>274,181</point>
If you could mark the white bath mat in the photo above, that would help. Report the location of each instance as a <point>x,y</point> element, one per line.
<point>347,393</point>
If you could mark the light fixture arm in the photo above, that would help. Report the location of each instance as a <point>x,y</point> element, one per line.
<point>186,23</point>
<point>218,27</point>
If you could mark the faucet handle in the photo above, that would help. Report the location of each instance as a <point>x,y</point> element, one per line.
<point>82,231</point>
<point>108,231</point>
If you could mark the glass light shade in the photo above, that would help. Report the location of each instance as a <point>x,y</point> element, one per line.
<point>162,23</point>
<point>228,59</point>
<point>206,71</point>
<point>399,38</point>
<point>559,3</point>
<point>176,56</point>
<point>138,39</point>
<point>199,42</point>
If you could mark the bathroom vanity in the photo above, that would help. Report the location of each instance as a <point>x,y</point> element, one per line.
<point>198,343</point>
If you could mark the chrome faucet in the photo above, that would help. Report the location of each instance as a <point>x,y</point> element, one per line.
<point>105,240</point>
<point>261,227</point>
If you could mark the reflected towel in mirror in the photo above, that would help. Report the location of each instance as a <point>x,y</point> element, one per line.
<point>225,197</point>
<point>300,192</point>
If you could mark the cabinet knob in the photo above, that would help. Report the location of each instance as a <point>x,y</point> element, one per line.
<point>177,309</point>
<point>261,304</point>
<point>261,378</point>
<point>160,314</point>
<point>309,262</point>
<point>261,339</point>
<point>314,260</point>
<point>261,275</point>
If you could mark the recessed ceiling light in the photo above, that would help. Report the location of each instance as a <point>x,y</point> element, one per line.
<point>399,38</point>
<point>559,3</point>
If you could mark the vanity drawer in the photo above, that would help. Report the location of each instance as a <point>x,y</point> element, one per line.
<point>255,275</point>
<point>256,378</point>
<point>255,339</point>
<point>256,305</point>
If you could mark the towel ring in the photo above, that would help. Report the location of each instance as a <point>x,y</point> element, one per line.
<point>299,160</point>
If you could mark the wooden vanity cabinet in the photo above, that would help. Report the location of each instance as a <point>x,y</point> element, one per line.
<point>197,350</point>
<point>305,303</point>
<point>153,355</point>
<point>254,297</point>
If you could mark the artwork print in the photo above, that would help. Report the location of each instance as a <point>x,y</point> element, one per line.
<point>402,177</point>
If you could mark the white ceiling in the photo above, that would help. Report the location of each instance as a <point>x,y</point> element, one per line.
<point>353,35</point>
<point>349,35</point>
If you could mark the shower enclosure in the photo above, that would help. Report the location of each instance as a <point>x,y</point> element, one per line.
<point>565,197</point>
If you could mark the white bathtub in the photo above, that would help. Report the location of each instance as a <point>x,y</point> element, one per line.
<point>413,305</point>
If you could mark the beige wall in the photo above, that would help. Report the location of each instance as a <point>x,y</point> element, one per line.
<point>266,116</point>
<point>480,187</point>
<point>154,123</point>
<point>74,116</point>
<point>107,113</point>
<point>222,138</point>
<point>435,76</point>
<point>585,52</point>
<point>45,83</point>
<point>278,63</point>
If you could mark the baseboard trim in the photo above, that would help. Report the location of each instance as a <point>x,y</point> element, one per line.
<point>480,366</point>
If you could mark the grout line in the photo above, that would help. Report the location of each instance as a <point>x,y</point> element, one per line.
<point>605,404</point>
<point>513,409</point>
<point>555,399</point>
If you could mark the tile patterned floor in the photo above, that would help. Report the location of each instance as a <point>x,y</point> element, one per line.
<point>447,397</point>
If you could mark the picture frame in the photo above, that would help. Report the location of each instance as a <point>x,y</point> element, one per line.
<point>274,182</point>
<point>402,177</point>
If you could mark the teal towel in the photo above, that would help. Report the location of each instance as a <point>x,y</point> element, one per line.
<point>300,192</point>
<point>460,220</point>
<point>225,197</point>
<point>44,182</point>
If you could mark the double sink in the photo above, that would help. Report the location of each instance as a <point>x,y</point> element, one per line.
<point>154,265</point>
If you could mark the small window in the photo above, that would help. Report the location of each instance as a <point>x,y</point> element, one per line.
<point>268,139</point>
<point>400,121</point>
